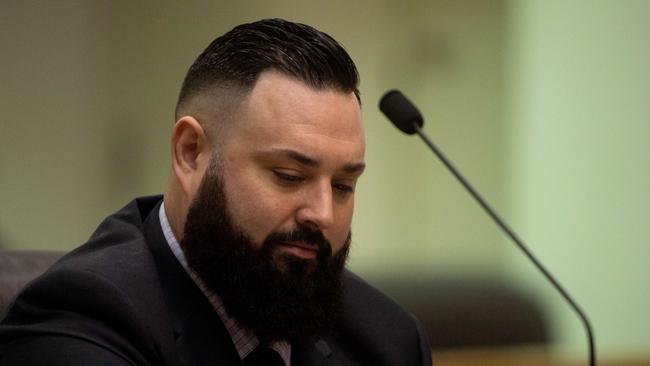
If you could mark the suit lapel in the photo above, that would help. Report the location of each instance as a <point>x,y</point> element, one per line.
<point>200,336</point>
<point>204,341</point>
<point>318,353</point>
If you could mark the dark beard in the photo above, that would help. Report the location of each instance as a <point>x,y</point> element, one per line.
<point>277,296</point>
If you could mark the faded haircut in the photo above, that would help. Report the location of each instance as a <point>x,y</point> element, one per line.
<point>235,60</point>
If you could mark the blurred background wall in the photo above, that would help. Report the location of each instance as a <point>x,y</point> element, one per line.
<point>544,105</point>
<point>578,161</point>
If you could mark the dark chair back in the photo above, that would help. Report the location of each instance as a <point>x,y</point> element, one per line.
<point>471,313</point>
<point>19,267</point>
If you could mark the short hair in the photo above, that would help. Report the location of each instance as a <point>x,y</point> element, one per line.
<point>237,58</point>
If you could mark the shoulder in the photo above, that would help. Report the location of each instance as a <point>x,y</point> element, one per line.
<point>116,259</point>
<point>105,293</point>
<point>363,300</point>
<point>378,327</point>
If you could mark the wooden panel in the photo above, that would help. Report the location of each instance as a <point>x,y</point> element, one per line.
<point>522,356</point>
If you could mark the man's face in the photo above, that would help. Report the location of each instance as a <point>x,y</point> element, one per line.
<point>292,159</point>
<point>269,228</point>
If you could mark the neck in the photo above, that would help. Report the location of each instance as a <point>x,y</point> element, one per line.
<point>176,207</point>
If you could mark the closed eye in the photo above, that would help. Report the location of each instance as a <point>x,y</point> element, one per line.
<point>287,178</point>
<point>343,188</point>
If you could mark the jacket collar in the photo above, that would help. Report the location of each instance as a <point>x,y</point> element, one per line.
<point>199,334</point>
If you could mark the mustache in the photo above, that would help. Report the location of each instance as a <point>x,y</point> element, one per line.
<point>301,233</point>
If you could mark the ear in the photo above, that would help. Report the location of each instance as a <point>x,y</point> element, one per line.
<point>191,151</point>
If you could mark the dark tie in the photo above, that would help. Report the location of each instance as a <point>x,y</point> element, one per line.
<point>263,356</point>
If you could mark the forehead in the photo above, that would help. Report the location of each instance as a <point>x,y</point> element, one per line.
<point>284,113</point>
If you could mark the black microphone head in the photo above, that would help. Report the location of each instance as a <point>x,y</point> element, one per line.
<point>401,111</point>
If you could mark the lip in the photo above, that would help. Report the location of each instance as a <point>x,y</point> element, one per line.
<point>300,249</point>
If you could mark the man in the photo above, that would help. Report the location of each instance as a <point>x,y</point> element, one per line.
<point>242,260</point>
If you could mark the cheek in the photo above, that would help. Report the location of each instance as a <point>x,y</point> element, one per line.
<point>252,208</point>
<point>342,228</point>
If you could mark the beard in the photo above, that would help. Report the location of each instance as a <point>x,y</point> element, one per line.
<point>276,295</point>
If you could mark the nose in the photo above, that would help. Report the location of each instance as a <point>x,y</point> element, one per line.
<point>316,210</point>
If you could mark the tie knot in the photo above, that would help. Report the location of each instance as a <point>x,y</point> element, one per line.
<point>263,356</point>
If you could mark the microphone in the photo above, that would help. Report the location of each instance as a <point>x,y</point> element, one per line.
<point>401,112</point>
<point>406,117</point>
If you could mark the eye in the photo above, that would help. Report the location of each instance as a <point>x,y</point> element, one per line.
<point>287,178</point>
<point>343,188</point>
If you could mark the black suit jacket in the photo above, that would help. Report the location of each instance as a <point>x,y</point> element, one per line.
<point>123,299</point>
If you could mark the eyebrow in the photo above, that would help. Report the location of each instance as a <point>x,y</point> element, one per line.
<point>300,158</point>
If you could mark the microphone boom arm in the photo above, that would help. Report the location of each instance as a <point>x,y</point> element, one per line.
<point>513,236</point>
